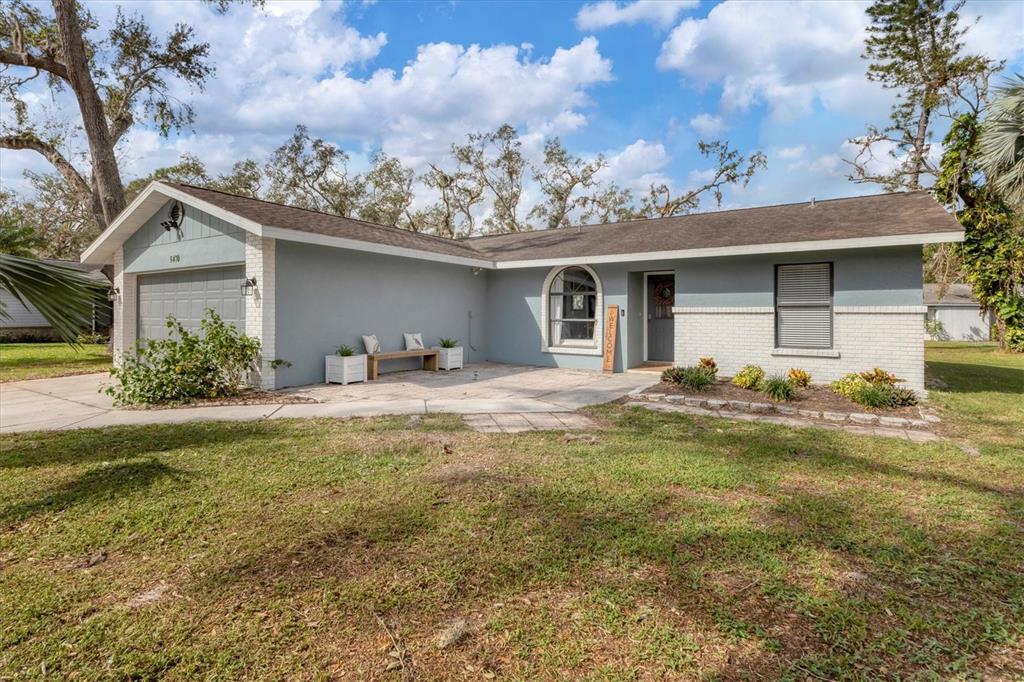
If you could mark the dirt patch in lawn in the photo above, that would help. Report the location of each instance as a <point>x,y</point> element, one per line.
<point>818,398</point>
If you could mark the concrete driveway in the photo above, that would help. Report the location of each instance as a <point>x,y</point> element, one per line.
<point>486,388</point>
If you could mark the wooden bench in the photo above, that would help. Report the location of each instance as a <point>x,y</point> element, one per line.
<point>431,360</point>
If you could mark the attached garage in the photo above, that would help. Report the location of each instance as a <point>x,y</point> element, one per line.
<point>187,294</point>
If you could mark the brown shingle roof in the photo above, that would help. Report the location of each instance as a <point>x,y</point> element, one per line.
<point>901,213</point>
<point>304,220</point>
<point>904,213</point>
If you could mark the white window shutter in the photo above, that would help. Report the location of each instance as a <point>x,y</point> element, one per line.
<point>803,305</point>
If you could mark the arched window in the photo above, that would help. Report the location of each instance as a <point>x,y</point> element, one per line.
<point>573,308</point>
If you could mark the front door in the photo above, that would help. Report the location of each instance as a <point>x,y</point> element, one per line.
<point>661,292</point>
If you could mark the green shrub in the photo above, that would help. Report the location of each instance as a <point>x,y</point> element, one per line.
<point>92,337</point>
<point>879,376</point>
<point>779,387</point>
<point>709,364</point>
<point>345,351</point>
<point>873,395</point>
<point>186,366</point>
<point>800,378</point>
<point>697,378</point>
<point>448,343</point>
<point>848,386</point>
<point>750,377</point>
<point>901,396</point>
<point>878,394</point>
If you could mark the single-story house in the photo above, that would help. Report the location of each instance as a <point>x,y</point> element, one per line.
<point>955,315</point>
<point>830,286</point>
<point>26,323</point>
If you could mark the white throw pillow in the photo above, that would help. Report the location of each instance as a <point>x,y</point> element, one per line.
<point>371,343</point>
<point>413,341</point>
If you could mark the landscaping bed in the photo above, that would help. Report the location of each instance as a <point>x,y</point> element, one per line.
<point>813,398</point>
<point>246,397</point>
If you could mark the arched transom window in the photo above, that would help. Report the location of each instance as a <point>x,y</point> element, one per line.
<point>573,309</point>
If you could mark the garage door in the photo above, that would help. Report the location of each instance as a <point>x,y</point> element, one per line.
<point>187,294</point>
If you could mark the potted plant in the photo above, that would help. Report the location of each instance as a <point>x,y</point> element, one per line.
<point>345,366</point>
<point>451,354</point>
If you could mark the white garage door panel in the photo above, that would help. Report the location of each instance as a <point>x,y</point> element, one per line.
<point>187,295</point>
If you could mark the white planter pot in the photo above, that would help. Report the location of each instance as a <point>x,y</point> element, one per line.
<point>451,358</point>
<point>344,370</point>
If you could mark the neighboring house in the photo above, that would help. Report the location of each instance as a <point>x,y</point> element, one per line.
<point>830,286</point>
<point>956,315</point>
<point>27,323</point>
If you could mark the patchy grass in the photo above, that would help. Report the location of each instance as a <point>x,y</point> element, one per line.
<point>20,361</point>
<point>981,391</point>
<point>676,546</point>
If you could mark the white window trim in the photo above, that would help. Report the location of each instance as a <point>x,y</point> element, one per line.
<point>572,348</point>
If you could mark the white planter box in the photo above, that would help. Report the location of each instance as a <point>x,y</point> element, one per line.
<point>451,358</point>
<point>344,370</point>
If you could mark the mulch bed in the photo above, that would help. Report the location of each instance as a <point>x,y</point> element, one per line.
<point>818,398</point>
<point>246,397</point>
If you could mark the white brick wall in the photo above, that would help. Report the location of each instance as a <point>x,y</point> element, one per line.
<point>891,337</point>
<point>260,308</point>
<point>125,307</point>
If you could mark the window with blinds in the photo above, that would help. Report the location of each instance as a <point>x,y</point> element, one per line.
<point>803,305</point>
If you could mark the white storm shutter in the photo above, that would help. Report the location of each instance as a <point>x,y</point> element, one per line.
<point>803,305</point>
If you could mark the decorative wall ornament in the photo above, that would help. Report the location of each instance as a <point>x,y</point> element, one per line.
<point>174,218</point>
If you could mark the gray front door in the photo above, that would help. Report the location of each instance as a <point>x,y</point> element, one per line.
<point>660,325</point>
<point>187,294</point>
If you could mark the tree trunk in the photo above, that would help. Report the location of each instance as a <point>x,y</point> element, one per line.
<point>101,148</point>
<point>919,140</point>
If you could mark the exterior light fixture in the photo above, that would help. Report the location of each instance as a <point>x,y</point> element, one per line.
<point>248,286</point>
<point>113,294</point>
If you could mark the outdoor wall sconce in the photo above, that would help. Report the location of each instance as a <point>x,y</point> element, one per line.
<point>113,294</point>
<point>248,286</point>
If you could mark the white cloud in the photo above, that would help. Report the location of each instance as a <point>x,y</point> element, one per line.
<point>707,125</point>
<point>996,29</point>
<point>300,62</point>
<point>790,153</point>
<point>790,54</point>
<point>637,166</point>
<point>781,53</point>
<point>660,13</point>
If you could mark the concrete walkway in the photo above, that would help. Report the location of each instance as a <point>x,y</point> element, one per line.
<point>75,402</point>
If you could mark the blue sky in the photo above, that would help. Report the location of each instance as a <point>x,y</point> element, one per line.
<point>638,82</point>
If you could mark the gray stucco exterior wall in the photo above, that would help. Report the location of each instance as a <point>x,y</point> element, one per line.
<point>863,277</point>
<point>514,315</point>
<point>326,297</point>
<point>204,240</point>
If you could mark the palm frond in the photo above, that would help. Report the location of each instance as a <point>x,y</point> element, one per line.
<point>62,295</point>
<point>1002,142</point>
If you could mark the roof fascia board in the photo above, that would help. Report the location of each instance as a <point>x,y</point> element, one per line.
<point>100,251</point>
<point>372,247</point>
<point>745,250</point>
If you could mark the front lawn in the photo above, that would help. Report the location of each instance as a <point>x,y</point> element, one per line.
<point>675,546</point>
<point>43,360</point>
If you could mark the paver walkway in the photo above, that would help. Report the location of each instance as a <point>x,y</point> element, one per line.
<point>529,421</point>
<point>488,389</point>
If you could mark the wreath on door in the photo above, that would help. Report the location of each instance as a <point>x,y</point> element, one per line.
<point>663,293</point>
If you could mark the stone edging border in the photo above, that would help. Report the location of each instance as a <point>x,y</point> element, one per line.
<point>859,418</point>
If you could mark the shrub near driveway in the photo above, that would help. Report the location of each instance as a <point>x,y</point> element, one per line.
<point>186,366</point>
